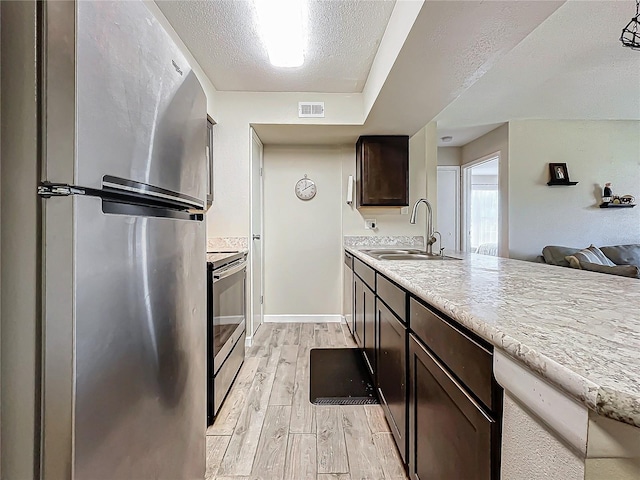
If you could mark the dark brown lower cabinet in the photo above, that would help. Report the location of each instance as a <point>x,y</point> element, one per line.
<point>370,329</point>
<point>358,311</point>
<point>450,434</point>
<point>391,370</point>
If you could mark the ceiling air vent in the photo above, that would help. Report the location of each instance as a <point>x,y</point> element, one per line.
<point>311,109</point>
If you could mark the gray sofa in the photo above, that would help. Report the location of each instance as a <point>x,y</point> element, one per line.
<point>626,258</point>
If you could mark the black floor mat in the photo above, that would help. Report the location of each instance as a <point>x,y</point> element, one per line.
<point>339,376</point>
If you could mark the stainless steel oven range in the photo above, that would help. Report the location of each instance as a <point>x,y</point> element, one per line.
<point>226,324</point>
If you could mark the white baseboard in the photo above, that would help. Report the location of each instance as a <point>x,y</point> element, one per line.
<point>248,342</point>
<point>303,318</point>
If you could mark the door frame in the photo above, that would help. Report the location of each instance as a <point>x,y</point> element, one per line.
<point>466,198</point>
<point>253,213</point>
<point>456,169</point>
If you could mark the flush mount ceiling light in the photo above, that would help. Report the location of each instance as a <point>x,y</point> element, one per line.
<point>446,138</point>
<point>630,36</point>
<point>282,26</point>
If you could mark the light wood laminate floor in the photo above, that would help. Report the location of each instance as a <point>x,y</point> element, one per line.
<point>267,428</point>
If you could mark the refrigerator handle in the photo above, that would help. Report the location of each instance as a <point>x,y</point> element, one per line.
<point>48,190</point>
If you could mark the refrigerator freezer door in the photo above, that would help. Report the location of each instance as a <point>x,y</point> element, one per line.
<point>141,112</point>
<point>140,346</point>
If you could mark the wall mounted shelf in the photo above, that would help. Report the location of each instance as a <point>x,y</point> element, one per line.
<point>617,205</point>
<point>561,184</point>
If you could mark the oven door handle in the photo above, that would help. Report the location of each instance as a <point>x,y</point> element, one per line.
<point>228,273</point>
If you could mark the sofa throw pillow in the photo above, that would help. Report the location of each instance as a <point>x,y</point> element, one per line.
<point>623,254</point>
<point>573,261</point>
<point>593,255</point>
<point>630,271</point>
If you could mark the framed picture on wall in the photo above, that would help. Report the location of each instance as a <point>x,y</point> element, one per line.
<point>559,173</point>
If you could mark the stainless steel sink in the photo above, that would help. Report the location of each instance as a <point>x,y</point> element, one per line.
<point>413,256</point>
<point>392,251</point>
<point>404,254</point>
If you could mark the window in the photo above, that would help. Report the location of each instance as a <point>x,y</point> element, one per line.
<point>484,216</point>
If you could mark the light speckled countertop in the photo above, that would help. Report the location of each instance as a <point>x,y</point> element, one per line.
<point>579,330</point>
<point>217,256</point>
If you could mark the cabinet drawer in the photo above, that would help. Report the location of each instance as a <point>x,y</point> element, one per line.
<point>393,296</point>
<point>365,272</point>
<point>468,360</point>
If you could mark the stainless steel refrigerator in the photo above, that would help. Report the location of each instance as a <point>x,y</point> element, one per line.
<point>124,289</point>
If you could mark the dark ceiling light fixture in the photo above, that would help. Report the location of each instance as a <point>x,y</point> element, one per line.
<point>630,36</point>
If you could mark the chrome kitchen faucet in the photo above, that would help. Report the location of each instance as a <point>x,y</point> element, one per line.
<point>431,235</point>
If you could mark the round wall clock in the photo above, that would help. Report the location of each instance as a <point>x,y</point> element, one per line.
<point>306,188</point>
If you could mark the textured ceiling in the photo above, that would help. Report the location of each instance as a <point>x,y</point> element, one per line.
<point>451,46</point>
<point>222,35</point>
<point>462,136</point>
<point>471,65</point>
<point>572,66</point>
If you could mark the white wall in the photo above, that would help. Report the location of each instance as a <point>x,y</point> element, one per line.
<point>235,112</point>
<point>310,233</point>
<point>531,451</point>
<point>496,141</point>
<point>449,156</point>
<point>595,152</point>
<point>302,239</point>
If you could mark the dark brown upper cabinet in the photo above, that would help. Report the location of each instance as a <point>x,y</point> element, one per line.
<point>382,171</point>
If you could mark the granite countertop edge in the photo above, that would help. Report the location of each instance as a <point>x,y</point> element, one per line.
<point>606,401</point>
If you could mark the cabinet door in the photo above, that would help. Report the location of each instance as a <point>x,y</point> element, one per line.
<point>370,329</point>
<point>358,311</point>
<point>392,368</point>
<point>382,170</point>
<point>449,434</point>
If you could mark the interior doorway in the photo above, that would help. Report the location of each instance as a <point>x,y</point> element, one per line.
<point>449,207</point>
<point>481,232</point>
<point>256,242</point>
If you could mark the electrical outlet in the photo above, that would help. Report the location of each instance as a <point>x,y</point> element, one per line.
<point>370,223</point>
<point>404,211</point>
